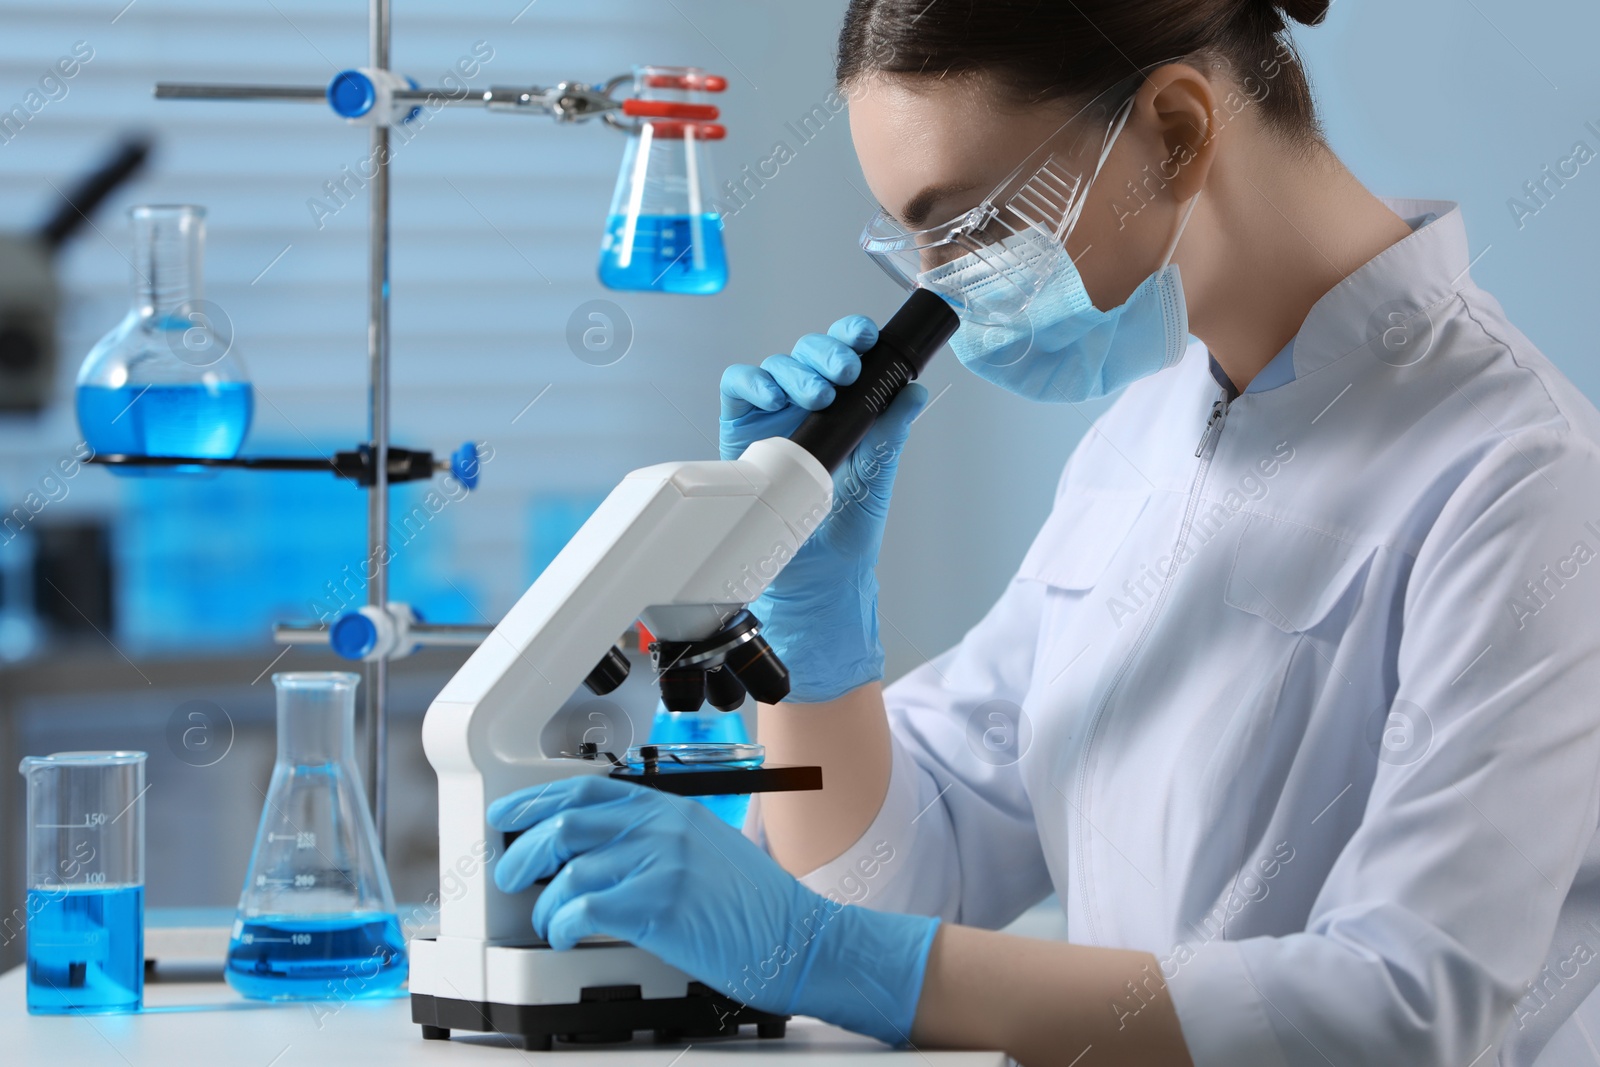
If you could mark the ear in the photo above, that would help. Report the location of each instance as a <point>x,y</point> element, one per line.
<point>1179,104</point>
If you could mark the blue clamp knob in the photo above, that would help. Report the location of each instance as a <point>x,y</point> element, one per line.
<point>368,95</point>
<point>464,464</point>
<point>352,635</point>
<point>351,94</point>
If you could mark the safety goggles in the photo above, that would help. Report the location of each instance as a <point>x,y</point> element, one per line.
<point>990,261</point>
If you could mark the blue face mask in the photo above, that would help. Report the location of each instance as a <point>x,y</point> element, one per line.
<point>1059,347</point>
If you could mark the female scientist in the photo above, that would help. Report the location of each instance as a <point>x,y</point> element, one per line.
<point>1294,699</point>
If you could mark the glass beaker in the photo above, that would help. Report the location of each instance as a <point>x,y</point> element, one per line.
<point>165,381</point>
<point>664,232</point>
<point>316,919</point>
<point>85,882</point>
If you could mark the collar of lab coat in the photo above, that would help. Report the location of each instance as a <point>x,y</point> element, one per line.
<point>1405,279</point>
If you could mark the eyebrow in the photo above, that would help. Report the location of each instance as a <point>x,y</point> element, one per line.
<point>915,211</point>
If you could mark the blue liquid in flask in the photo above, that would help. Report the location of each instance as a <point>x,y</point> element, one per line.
<point>317,957</point>
<point>85,950</point>
<point>199,419</point>
<point>664,256</point>
<point>706,727</point>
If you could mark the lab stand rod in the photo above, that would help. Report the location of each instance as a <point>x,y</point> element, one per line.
<point>496,96</point>
<point>430,635</point>
<point>297,94</point>
<point>377,672</point>
<point>566,101</point>
<point>378,33</point>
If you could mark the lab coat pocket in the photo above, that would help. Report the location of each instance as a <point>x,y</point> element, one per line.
<point>1079,539</point>
<point>1291,575</point>
<point>1306,586</point>
<point>1074,548</point>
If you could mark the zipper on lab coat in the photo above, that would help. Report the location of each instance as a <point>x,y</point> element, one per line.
<point>1206,449</point>
<point>1219,415</point>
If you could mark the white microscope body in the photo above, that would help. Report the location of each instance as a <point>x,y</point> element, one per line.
<point>684,546</point>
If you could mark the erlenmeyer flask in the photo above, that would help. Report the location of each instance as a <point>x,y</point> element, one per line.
<point>166,381</point>
<point>316,919</point>
<point>664,232</point>
<point>707,730</point>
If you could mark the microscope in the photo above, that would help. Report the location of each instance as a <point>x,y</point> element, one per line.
<point>682,547</point>
<point>30,294</point>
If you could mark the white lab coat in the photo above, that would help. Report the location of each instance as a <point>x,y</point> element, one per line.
<point>1338,766</point>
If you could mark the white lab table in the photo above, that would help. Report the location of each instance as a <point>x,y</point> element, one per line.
<point>206,1022</point>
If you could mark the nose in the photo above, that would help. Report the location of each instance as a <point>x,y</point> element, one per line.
<point>939,255</point>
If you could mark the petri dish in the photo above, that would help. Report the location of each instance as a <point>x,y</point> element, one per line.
<point>699,755</point>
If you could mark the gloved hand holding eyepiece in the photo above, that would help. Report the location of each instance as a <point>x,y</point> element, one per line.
<point>820,614</point>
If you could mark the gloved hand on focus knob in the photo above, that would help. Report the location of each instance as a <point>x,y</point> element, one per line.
<point>667,875</point>
<point>821,612</point>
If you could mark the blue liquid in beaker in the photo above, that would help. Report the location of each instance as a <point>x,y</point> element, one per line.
<point>317,957</point>
<point>706,727</point>
<point>201,419</point>
<point>85,950</point>
<point>664,255</point>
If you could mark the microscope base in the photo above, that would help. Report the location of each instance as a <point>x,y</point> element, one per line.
<point>536,1027</point>
<point>597,993</point>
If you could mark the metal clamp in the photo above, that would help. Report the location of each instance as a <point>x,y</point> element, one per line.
<point>376,97</point>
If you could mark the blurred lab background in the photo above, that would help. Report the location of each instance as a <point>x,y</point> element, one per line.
<point>123,600</point>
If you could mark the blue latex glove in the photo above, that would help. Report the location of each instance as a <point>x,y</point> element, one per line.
<point>665,874</point>
<point>821,612</point>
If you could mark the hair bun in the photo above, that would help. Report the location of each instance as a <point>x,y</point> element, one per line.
<point>1306,12</point>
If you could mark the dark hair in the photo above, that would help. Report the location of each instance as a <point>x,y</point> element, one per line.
<point>1049,49</point>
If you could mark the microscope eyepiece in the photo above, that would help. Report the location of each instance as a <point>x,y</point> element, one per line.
<point>905,345</point>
